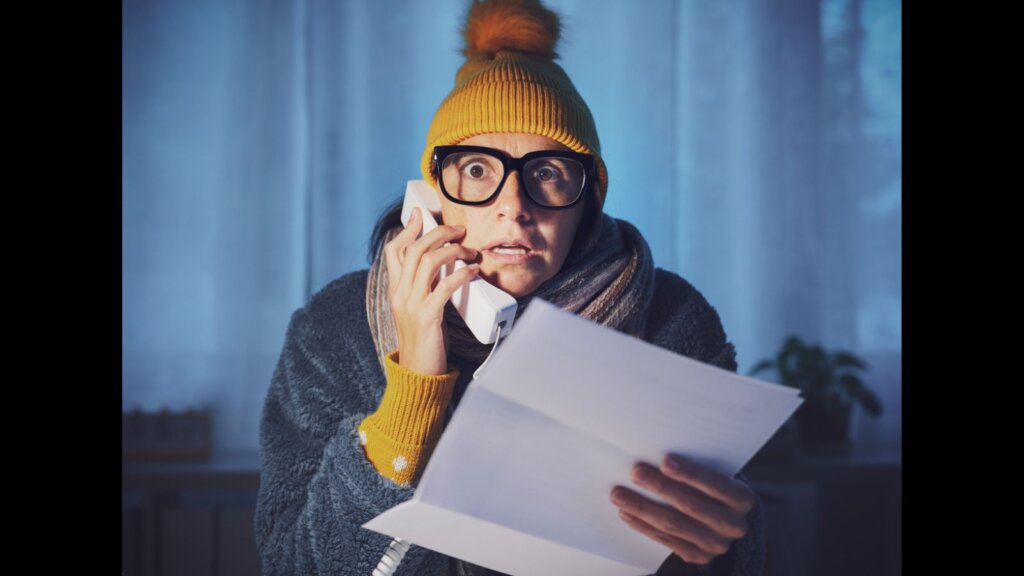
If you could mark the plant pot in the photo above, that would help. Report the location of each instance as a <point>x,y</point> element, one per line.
<point>824,425</point>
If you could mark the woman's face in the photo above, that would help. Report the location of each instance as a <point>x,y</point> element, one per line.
<point>521,244</point>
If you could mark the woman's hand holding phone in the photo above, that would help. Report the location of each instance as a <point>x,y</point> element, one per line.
<point>416,296</point>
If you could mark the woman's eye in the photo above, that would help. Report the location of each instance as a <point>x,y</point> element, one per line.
<point>475,170</point>
<point>547,174</point>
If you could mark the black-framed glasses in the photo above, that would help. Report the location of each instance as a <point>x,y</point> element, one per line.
<point>474,175</point>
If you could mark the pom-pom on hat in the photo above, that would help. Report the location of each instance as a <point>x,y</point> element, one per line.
<point>510,83</point>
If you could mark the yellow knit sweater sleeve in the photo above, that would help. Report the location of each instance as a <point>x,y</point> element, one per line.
<point>400,436</point>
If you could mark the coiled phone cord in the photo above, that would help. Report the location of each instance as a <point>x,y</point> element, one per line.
<point>392,558</point>
<point>396,550</point>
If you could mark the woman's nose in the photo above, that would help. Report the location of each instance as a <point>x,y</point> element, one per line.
<point>512,201</point>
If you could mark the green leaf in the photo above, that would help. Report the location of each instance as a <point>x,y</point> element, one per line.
<point>851,383</point>
<point>786,372</point>
<point>871,403</point>
<point>847,360</point>
<point>788,360</point>
<point>760,367</point>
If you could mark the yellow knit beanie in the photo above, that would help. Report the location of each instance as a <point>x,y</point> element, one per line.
<point>510,83</point>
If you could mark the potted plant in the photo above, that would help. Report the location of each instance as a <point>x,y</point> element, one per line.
<point>830,386</point>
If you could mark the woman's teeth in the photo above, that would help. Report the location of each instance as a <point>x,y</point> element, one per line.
<point>508,250</point>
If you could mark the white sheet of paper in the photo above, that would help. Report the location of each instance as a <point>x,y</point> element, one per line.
<point>521,477</point>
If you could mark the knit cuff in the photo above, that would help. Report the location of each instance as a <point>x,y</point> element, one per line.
<point>399,437</point>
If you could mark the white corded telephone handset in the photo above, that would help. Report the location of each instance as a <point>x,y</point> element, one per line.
<point>484,307</point>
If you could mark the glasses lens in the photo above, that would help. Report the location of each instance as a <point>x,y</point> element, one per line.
<point>471,176</point>
<point>554,181</point>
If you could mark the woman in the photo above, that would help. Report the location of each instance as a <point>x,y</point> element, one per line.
<point>375,363</point>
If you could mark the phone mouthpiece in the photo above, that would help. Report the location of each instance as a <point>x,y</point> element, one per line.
<point>485,307</point>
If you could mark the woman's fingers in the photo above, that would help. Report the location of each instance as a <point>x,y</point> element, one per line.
<point>431,263</point>
<point>685,549</point>
<point>394,250</point>
<point>729,491</point>
<point>445,288</point>
<point>415,251</point>
<point>718,516</point>
<point>704,510</point>
<point>671,522</point>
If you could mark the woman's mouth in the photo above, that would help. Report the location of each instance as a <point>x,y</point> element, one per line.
<point>510,252</point>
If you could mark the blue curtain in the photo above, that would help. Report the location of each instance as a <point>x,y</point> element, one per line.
<point>757,145</point>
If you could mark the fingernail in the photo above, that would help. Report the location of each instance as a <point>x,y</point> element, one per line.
<point>674,463</point>
<point>618,498</point>
<point>640,476</point>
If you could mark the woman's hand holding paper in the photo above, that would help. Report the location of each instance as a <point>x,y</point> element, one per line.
<point>705,514</point>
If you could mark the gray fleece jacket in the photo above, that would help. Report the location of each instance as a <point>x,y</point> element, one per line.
<point>317,487</point>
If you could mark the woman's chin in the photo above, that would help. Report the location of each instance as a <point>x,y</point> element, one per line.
<point>516,283</point>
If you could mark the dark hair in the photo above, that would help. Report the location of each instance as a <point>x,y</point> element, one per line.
<point>388,219</point>
<point>392,216</point>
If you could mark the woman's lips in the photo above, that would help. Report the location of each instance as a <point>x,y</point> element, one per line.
<point>511,241</point>
<point>510,250</point>
<point>510,254</point>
